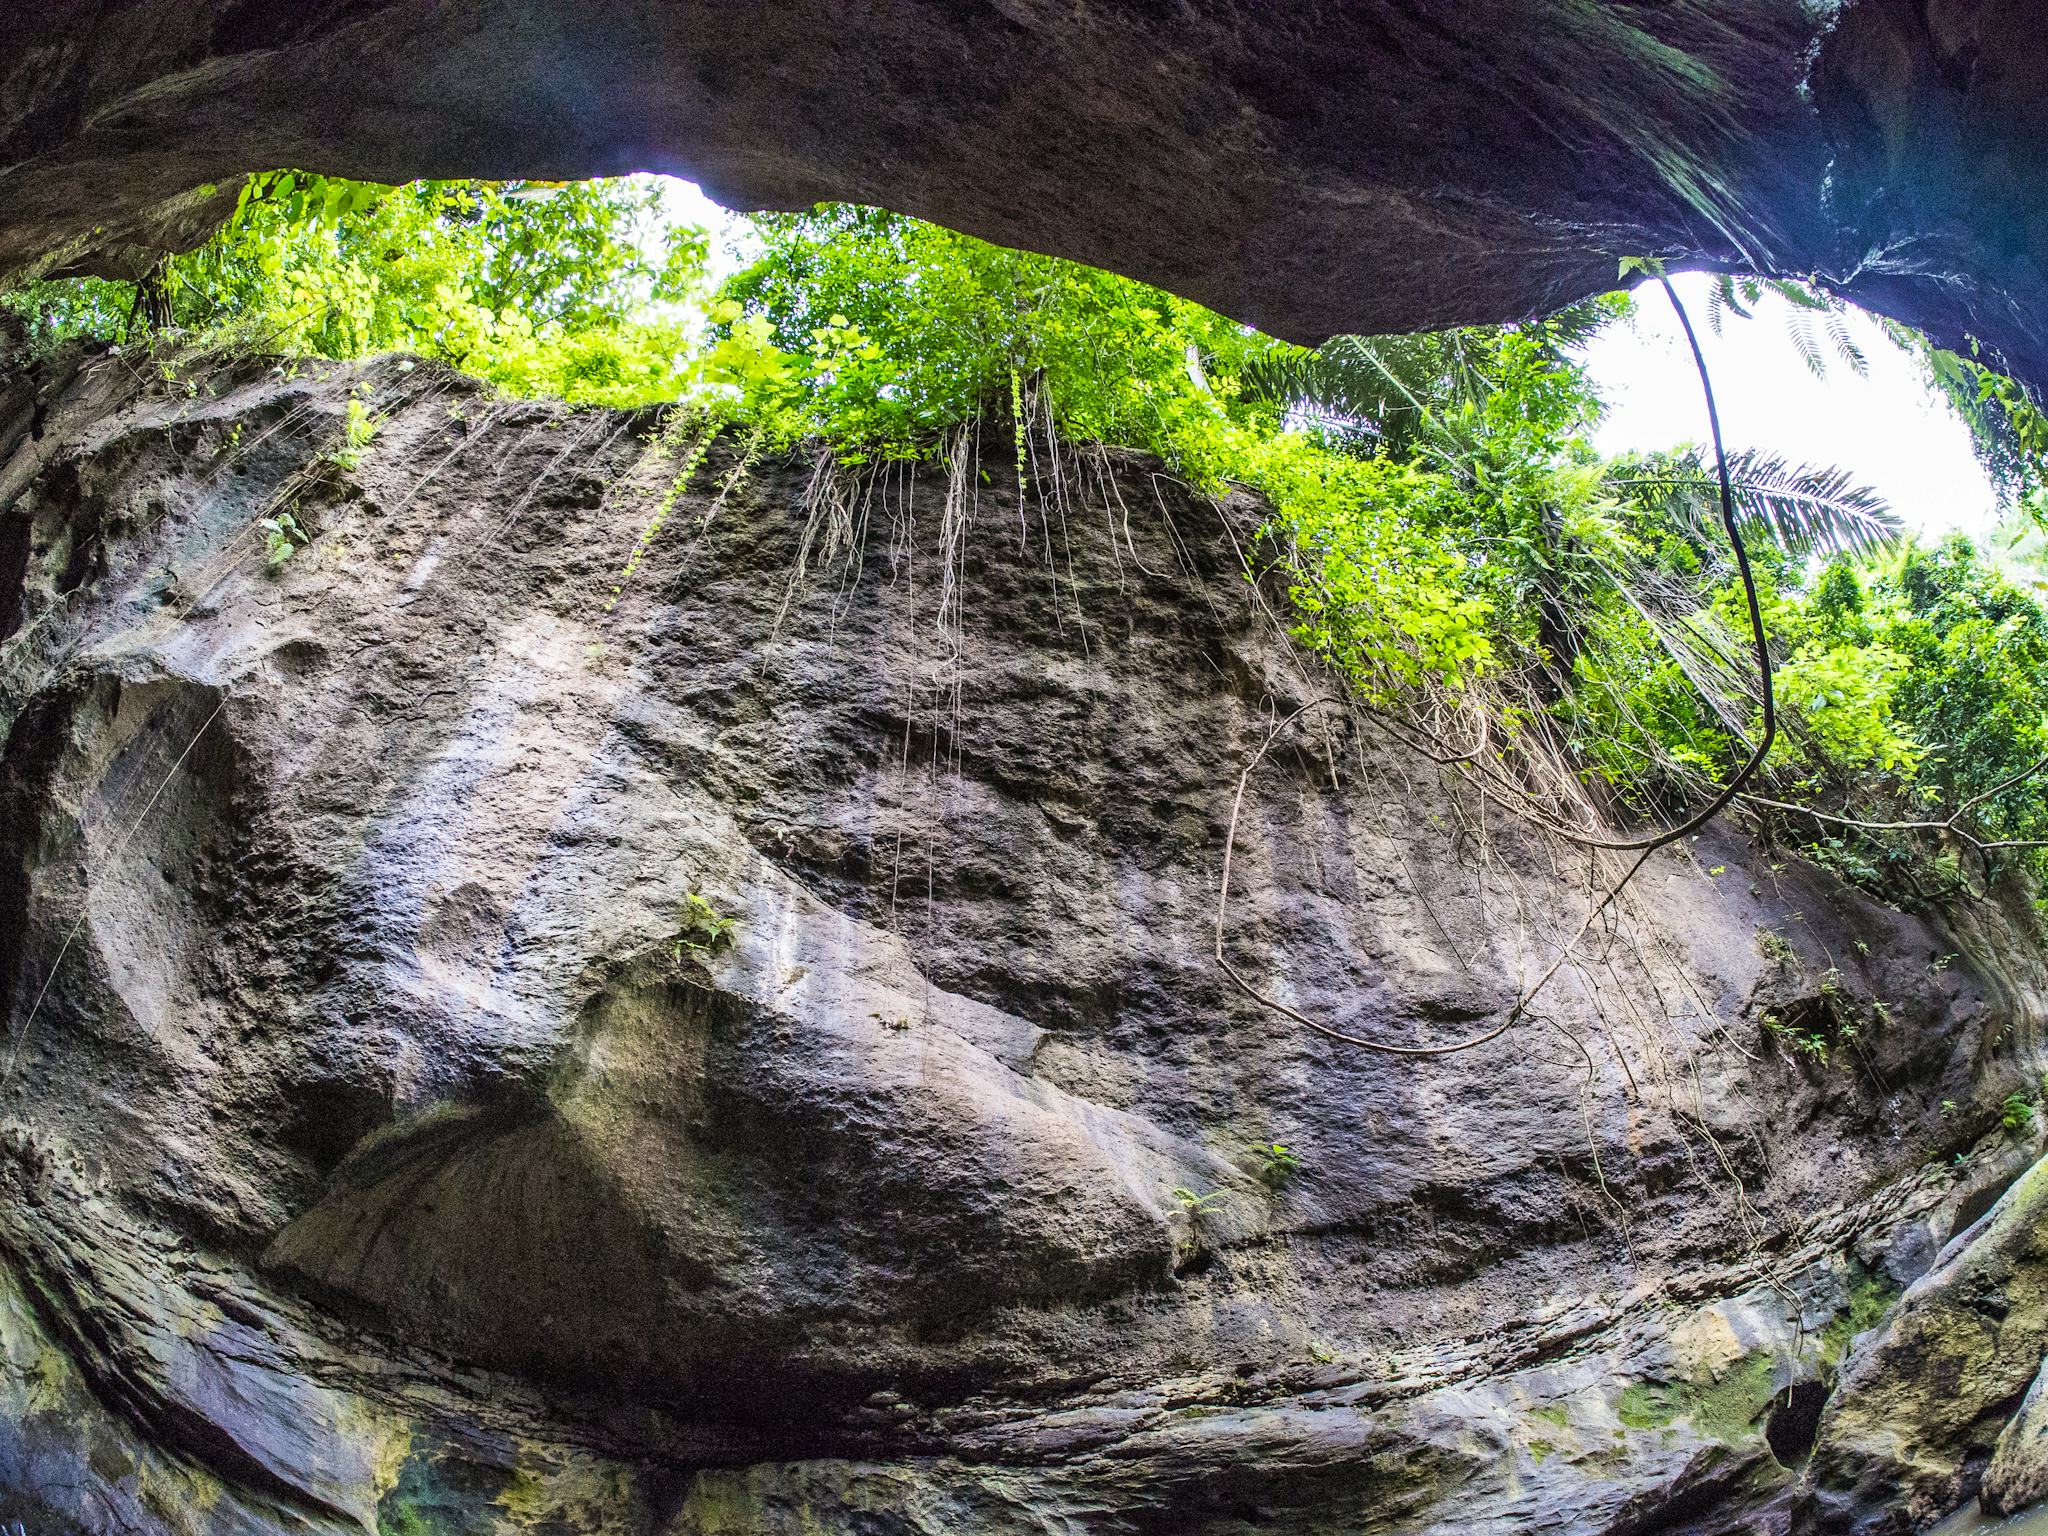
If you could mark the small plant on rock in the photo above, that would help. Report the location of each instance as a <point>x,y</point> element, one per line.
<point>1774,946</point>
<point>1810,1043</point>
<point>704,930</point>
<point>1190,1247</point>
<point>1277,1164</point>
<point>283,537</point>
<point>358,431</point>
<point>2016,1114</point>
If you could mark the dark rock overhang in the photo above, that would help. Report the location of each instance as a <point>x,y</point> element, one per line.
<point>1372,166</point>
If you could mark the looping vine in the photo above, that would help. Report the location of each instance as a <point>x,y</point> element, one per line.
<point>1642,847</point>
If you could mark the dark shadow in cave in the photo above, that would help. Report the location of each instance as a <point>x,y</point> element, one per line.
<point>1795,1422</point>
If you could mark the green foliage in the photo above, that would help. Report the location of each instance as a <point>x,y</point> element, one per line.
<point>53,313</point>
<point>540,288</point>
<point>1197,1205</point>
<point>2006,423</point>
<point>702,930</point>
<point>1976,688</point>
<point>886,331</point>
<point>283,537</point>
<point>1844,695</point>
<point>2016,1114</point>
<point>1911,683</point>
<point>1389,605</point>
<point>1277,1164</point>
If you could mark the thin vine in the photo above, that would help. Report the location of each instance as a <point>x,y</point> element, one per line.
<point>1643,847</point>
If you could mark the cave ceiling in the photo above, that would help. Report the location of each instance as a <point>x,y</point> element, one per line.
<point>1375,166</point>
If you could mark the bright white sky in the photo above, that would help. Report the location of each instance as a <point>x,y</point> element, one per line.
<point>1888,429</point>
<point>682,202</point>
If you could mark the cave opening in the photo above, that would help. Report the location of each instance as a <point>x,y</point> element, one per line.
<point>1794,1423</point>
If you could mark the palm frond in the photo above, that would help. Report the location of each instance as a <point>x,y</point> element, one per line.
<point>1373,391</point>
<point>1576,324</point>
<point>1805,509</point>
<point>1731,296</point>
<point>1803,295</point>
<point>1812,310</point>
<point>1799,323</point>
<point>1719,302</point>
<point>1845,344</point>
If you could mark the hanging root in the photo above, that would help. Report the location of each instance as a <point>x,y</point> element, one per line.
<point>1643,846</point>
<point>1514,1015</point>
<point>1533,783</point>
<point>956,516</point>
<point>832,524</point>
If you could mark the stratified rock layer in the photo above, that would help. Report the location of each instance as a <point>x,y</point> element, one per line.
<point>385,1145</point>
<point>1383,166</point>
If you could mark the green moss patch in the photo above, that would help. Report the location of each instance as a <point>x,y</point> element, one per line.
<point>1725,1408</point>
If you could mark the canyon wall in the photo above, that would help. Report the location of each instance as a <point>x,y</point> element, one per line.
<point>391,1139</point>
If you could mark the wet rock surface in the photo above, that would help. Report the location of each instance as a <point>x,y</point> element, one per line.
<point>1311,169</point>
<point>385,1144</point>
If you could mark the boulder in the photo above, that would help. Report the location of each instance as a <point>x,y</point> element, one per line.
<point>1924,1402</point>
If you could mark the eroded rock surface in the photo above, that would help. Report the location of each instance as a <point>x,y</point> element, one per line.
<point>2018,1474</point>
<point>378,1153</point>
<point>1312,169</point>
<point>1923,1404</point>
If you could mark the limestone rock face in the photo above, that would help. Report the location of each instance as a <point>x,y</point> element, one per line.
<point>389,1140</point>
<point>1926,1401</point>
<point>2018,1474</point>
<point>1374,167</point>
